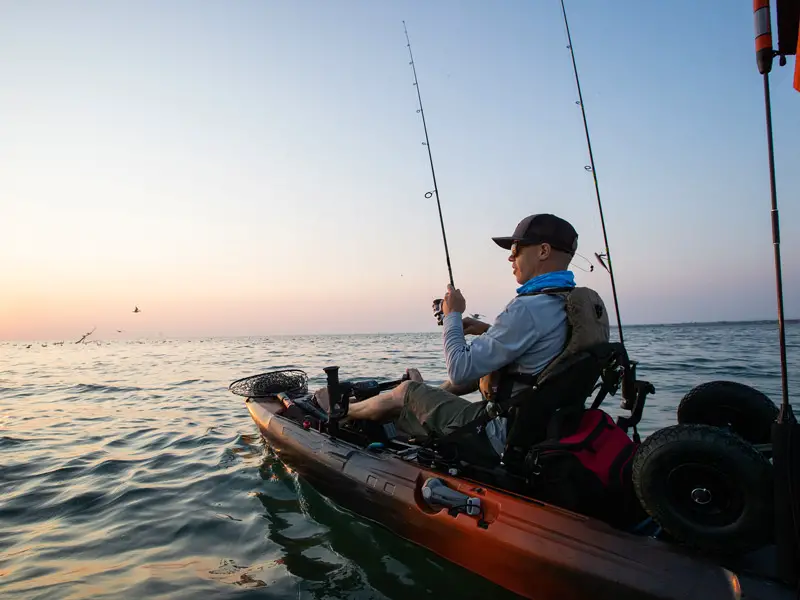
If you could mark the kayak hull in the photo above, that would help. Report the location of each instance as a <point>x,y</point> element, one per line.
<point>534,549</point>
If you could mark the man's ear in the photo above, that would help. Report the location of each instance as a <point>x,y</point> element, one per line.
<point>545,251</point>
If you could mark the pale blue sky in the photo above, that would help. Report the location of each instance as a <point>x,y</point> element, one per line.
<point>253,167</point>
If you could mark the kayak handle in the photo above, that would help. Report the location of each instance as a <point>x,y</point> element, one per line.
<point>437,495</point>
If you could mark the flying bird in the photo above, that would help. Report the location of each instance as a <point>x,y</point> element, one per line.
<point>136,310</point>
<point>85,335</point>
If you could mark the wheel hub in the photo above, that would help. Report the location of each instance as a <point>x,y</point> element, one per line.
<point>704,494</point>
<point>701,496</point>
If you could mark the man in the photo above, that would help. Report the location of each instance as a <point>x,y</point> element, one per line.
<point>528,334</point>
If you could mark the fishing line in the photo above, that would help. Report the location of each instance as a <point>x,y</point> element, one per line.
<point>592,169</point>
<point>427,144</point>
<point>588,264</point>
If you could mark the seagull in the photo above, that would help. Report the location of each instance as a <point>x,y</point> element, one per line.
<point>119,330</point>
<point>136,310</point>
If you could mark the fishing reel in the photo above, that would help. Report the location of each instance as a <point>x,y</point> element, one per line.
<point>438,312</point>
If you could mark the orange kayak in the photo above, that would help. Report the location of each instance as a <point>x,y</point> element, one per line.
<point>536,550</point>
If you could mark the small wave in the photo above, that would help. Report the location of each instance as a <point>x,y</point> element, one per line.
<point>113,466</point>
<point>107,389</point>
<point>6,441</point>
<point>188,382</point>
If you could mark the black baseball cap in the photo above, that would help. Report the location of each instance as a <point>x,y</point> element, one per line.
<point>543,228</point>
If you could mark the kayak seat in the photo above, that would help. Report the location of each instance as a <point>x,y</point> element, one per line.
<point>552,408</point>
<point>545,410</point>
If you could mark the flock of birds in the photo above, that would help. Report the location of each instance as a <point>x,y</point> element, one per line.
<point>136,309</point>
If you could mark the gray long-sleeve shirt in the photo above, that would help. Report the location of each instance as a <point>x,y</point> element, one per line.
<point>529,333</point>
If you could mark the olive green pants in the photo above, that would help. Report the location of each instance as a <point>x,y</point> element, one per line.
<point>431,410</point>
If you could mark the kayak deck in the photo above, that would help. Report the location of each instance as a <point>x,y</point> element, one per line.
<point>531,548</point>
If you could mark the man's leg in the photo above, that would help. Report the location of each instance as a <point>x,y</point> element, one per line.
<point>421,411</point>
<point>417,409</point>
<point>383,406</point>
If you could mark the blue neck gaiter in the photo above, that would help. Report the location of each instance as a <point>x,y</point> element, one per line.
<point>554,279</point>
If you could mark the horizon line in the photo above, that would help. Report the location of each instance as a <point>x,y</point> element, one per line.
<point>363,333</point>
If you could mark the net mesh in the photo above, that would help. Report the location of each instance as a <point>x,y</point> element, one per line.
<point>293,382</point>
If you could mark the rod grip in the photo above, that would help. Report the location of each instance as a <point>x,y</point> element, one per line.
<point>785,459</point>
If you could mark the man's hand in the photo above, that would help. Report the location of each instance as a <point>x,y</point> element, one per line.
<point>453,301</point>
<point>474,326</point>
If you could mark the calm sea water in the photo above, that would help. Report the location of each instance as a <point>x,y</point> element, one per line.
<point>127,470</point>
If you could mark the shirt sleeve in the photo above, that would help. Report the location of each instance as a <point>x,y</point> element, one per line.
<point>511,335</point>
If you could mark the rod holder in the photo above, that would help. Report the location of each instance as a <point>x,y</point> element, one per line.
<point>337,396</point>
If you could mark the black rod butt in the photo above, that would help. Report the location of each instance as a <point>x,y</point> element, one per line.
<point>786,466</point>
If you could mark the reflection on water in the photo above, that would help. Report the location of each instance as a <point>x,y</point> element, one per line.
<point>128,470</point>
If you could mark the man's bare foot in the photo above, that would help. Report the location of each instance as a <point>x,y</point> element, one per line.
<point>321,396</point>
<point>414,375</point>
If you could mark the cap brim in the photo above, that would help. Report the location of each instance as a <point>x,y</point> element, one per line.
<point>504,242</point>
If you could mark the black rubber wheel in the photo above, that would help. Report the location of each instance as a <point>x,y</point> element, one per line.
<point>731,405</point>
<point>706,487</point>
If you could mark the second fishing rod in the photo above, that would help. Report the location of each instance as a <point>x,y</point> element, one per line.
<point>607,263</point>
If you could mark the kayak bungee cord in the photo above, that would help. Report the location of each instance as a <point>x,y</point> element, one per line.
<point>607,264</point>
<point>427,144</point>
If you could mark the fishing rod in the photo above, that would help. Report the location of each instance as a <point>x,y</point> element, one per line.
<point>591,168</point>
<point>427,144</point>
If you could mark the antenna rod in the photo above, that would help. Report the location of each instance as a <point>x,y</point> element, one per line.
<point>430,157</point>
<point>592,169</point>
<point>776,244</point>
<point>764,56</point>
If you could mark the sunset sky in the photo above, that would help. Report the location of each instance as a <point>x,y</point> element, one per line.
<point>256,167</point>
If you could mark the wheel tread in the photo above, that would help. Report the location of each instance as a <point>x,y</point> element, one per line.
<point>713,396</point>
<point>681,434</point>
